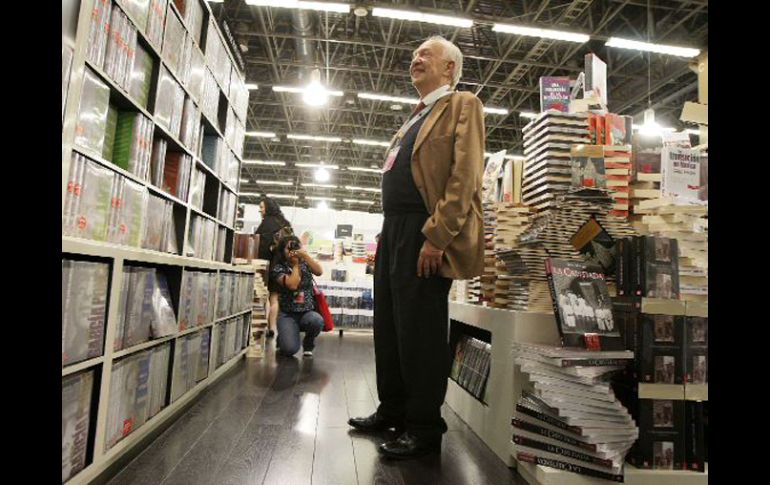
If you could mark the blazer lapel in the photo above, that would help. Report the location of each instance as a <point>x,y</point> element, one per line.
<point>441,105</point>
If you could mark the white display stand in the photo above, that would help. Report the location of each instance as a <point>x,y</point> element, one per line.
<point>492,422</point>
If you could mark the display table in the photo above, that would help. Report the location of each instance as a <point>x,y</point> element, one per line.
<point>492,421</point>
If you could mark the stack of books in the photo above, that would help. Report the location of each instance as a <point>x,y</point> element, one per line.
<point>196,301</point>
<point>470,368</point>
<point>145,307</point>
<point>191,361</point>
<point>137,391</point>
<point>648,266</point>
<point>490,260</point>
<point>604,167</point>
<point>84,309</point>
<point>512,220</point>
<point>547,143</point>
<point>568,416</point>
<point>76,396</point>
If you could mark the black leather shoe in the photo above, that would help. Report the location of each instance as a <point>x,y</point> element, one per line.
<point>374,423</point>
<point>409,446</point>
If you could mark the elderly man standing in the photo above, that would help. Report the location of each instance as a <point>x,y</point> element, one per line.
<point>432,233</point>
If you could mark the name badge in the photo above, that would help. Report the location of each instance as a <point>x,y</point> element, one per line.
<point>390,160</point>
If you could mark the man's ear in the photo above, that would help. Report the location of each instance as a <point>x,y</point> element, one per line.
<point>450,69</point>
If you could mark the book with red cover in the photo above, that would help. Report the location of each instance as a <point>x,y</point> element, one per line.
<point>171,172</point>
<point>615,130</point>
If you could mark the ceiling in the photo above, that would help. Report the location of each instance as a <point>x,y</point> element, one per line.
<point>368,54</point>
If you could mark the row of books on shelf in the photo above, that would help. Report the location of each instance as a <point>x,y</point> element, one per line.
<point>218,157</point>
<point>196,301</point>
<point>138,391</point>
<point>191,361</point>
<point>234,293</point>
<point>170,170</point>
<point>84,309</point>
<point>232,336</point>
<point>76,395</point>
<point>145,307</point>
<point>471,365</point>
<point>350,304</point>
<point>205,240</point>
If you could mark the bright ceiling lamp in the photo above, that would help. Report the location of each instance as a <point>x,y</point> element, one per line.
<point>650,127</point>
<point>274,163</point>
<point>251,86</point>
<point>317,165</point>
<point>650,47</point>
<point>360,141</point>
<point>307,5</point>
<point>496,111</point>
<point>364,169</point>
<point>321,186</point>
<point>249,194</point>
<point>297,90</point>
<point>384,97</point>
<point>315,93</point>
<point>422,17</point>
<point>363,189</point>
<point>244,181</point>
<point>274,182</point>
<point>542,33</point>
<point>322,206</point>
<point>322,175</point>
<point>261,134</point>
<point>283,196</point>
<point>331,139</point>
<point>528,114</point>
<point>331,199</point>
<point>358,201</point>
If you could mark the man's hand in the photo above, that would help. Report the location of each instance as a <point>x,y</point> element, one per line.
<point>429,261</point>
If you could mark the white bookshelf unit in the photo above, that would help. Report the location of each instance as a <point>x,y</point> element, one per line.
<point>214,101</point>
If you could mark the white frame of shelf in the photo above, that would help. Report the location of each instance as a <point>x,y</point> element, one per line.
<point>118,256</point>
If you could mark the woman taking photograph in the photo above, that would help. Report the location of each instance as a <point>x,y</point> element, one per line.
<point>292,272</point>
<point>272,223</point>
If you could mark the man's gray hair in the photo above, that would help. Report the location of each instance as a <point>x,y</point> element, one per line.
<point>451,53</point>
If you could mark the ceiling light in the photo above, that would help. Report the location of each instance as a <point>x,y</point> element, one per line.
<point>322,6</point>
<point>251,87</point>
<point>543,33</point>
<point>363,169</point>
<point>317,165</point>
<point>360,11</point>
<point>496,111</point>
<point>650,47</point>
<point>322,175</point>
<point>528,114</point>
<point>261,134</point>
<point>315,93</point>
<point>244,181</point>
<point>321,186</point>
<point>361,141</point>
<point>320,198</point>
<point>332,139</point>
<point>283,196</point>
<point>249,194</point>
<point>422,17</point>
<point>298,90</point>
<point>264,162</point>
<point>384,97</point>
<point>358,201</point>
<point>322,206</point>
<point>274,182</point>
<point>396,107</point>
<point>364,189</point>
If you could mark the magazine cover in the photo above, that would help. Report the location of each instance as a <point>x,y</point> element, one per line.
<point>582,305</point>
<point>587,165</point>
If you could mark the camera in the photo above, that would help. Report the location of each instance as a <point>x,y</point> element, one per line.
<point>293,245</point>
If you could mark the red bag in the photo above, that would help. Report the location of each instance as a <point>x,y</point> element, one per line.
<point>322,307</point>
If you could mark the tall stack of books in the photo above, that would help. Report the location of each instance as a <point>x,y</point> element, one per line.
<point>568,416</point>
<point>512,220</point>
<point>547,143</point>
<point>604,167</point>
<point>258,311</point>
<point>490,261</point>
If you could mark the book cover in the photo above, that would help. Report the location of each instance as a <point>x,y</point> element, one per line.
<point>164,319</point>
<point>695,446</point>
<point>661,443</point>
<point>596,245</point>
<point>92,113</point>
<point>681,173</point>
<point>587,166</point>
<point>596,77</point>
<point>660,356</point>
<point>555,93</point>
<point>76,422</point>
<point>661,267</point>
<point>615,130</point>
<point>565,464</point>
<point>582,305</point>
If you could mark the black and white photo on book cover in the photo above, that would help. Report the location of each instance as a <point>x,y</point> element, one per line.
<point>664,369</point>
<point>663,455</point>
<point>664,328</point>
<point>699,363</point>
<point>581,300</point>
<point>663,413</point>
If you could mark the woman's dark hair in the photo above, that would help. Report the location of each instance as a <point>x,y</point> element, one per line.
<point>272,208</point>
<point>291,242</point>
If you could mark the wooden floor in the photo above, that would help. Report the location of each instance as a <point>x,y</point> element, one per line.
<point>284,422</point>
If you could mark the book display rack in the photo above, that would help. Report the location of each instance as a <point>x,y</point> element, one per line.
<point>153,312</point>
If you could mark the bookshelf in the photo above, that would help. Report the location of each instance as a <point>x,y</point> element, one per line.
<point>216,108</point>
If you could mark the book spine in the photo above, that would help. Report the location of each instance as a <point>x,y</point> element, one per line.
<point>636,267</point>
<point>549,419</point>
<point>561,465</point>
<point>620,267</point>
<point>558,450</point>
<point>533,428</point>
<point>593,362</point>
<point>554,297</point>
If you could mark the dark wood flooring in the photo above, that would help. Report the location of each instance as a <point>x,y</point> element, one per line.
<point>284,422</point>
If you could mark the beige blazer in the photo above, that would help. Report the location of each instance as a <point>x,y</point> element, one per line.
<point>447,166</point>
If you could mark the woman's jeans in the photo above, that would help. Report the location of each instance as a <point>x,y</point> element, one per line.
<point>291,324</point>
